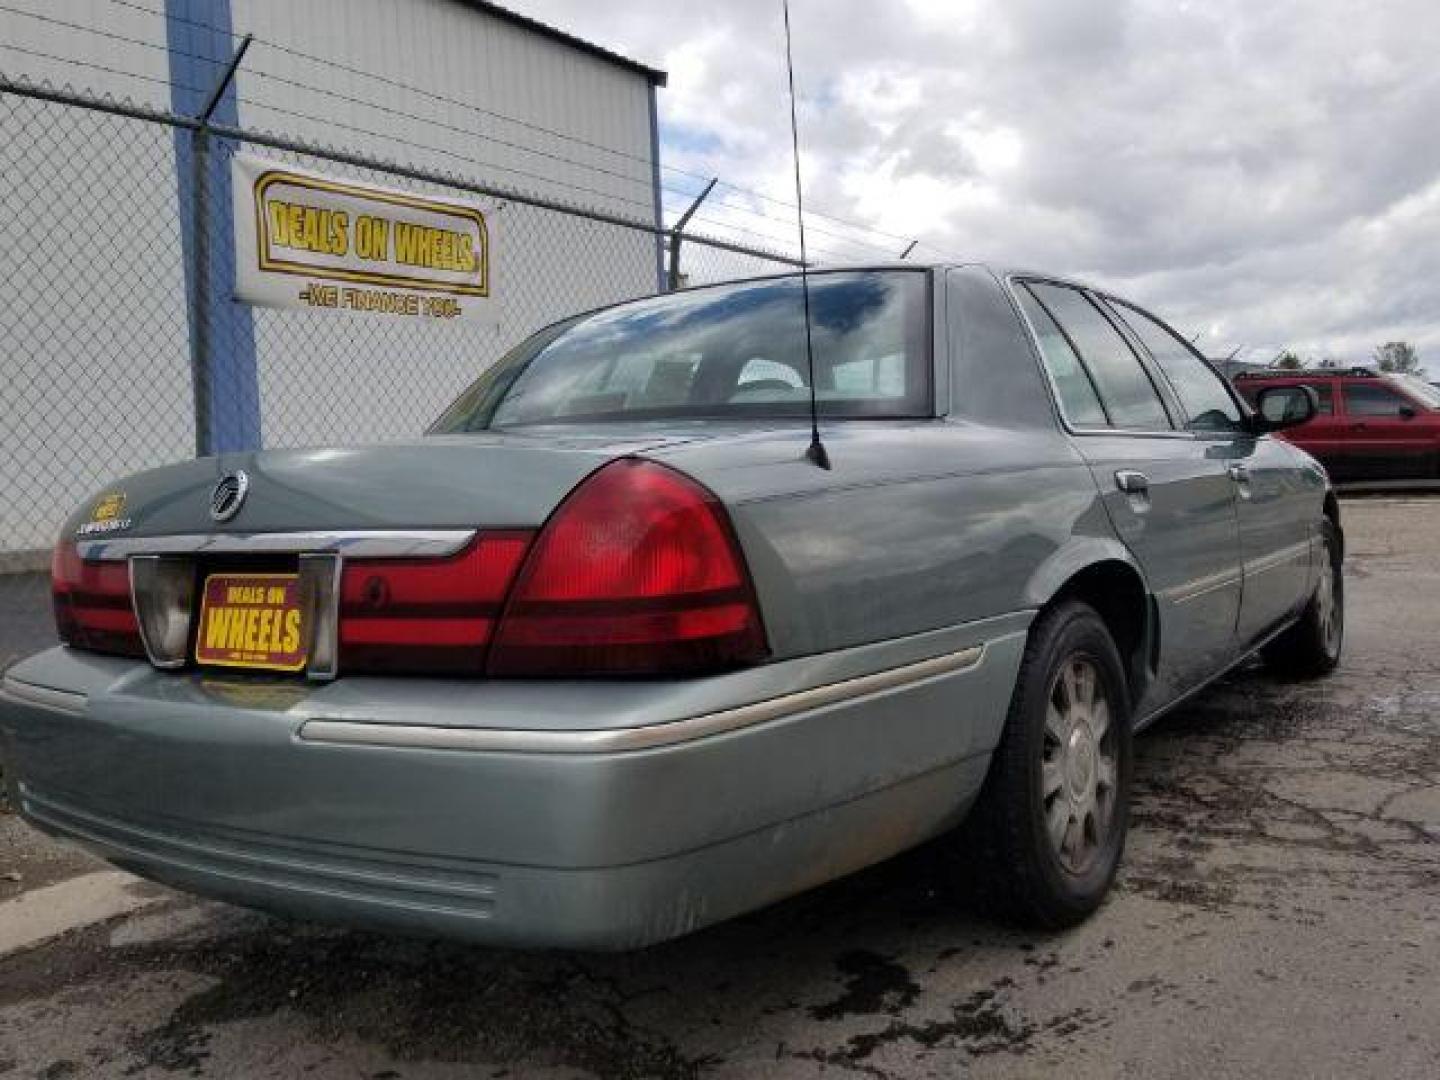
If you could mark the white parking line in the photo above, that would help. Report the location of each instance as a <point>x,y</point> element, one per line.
<point>37,916</point>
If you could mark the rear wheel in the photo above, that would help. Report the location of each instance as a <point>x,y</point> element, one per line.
<point>1046,835</point>
<point>1311,648</point>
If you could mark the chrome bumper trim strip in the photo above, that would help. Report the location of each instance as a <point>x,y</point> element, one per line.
<point>358,544</point>
<point>646,737</point>
<point>29,694</point>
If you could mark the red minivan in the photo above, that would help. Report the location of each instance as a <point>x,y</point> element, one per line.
<point>1369,425</point>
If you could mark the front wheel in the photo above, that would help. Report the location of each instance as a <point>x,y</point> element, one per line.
<point>1311,648</point>
<point>1045,837</point>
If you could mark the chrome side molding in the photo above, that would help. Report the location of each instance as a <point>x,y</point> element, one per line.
<point>355,543</point>
<point>644,737</point>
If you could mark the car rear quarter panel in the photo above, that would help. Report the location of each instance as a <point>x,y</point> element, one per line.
<point>986,510</point>
<point>918,526</point>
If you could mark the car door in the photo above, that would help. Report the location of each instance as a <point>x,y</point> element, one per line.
<point>1324,436</point>
<point>1382,429</point>
<point>1170,499</point>
<point>1272,502</point>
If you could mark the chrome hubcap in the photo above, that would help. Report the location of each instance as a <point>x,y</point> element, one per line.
<point>1078,765</point>
<point>1327,607</point>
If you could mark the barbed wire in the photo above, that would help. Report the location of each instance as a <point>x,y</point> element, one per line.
<point>853,243</point>
<point>533,126</point>
<point>646,205</point>
<point>40,54</point>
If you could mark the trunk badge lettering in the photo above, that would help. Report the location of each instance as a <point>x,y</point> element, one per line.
<point>229,495</point>
<point>105,516</point>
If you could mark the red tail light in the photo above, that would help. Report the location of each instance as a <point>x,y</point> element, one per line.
<point>427,615</point>
<point>92,603</point>
<point>637,573</point>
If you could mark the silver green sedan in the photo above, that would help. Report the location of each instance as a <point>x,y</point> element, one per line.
<point>611,654</point>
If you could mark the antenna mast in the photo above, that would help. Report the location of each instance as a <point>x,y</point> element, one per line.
<point>816,450</point>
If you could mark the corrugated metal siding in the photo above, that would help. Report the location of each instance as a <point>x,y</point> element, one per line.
<point>472,58</point>
<point>583,137</point>
<point>87,209</point>
<point>544,266</point>
<point>138,69</point>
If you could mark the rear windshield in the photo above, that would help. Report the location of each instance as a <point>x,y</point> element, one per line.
<point>726,351</point>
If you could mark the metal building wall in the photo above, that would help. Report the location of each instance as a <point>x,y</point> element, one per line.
<point>83,363</point>
<point>583,136</point>
<point>600,154</point>
<point>86,366</point>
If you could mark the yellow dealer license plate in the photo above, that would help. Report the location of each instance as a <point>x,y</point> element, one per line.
<point>251,621</point>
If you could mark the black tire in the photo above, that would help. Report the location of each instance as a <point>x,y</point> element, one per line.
<point>1006,858</point>
<point>1311,648</point>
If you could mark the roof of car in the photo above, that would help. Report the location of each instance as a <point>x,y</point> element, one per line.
<point>1311,373</point>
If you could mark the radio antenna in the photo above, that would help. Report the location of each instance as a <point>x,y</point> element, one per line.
<point>816,450</point>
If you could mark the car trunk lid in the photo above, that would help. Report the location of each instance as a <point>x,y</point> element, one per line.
<point>400,558</point>
<point>442,482</point>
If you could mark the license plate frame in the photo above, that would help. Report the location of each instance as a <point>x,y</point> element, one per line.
<point>233,630</point>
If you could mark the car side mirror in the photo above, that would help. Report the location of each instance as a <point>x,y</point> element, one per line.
<point>1407,412</point>
<point>1281,407</point>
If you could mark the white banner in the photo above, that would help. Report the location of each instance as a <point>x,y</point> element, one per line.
<point>303,240</point>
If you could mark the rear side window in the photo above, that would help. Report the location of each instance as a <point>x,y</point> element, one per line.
<point>1078,399</point>
<point>1207,403</point>
<point>1127,393</point>
<point>1365,400</point>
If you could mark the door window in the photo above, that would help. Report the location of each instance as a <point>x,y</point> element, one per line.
<point>1129,397</point>
<point>1362,399</point>
<point>1078,400</point>
<point>1202,392</point>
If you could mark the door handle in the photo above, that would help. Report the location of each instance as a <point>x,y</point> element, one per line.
<point>1131,482</point>
<point>1239,473</point>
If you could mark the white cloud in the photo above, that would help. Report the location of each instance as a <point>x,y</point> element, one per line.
<point>1264,173</point>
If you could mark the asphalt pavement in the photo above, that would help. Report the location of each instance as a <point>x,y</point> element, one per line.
<point>1278,916</point>
<point>26,622</point>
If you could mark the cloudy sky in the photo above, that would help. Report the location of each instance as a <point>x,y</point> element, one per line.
<point>1265,173</point>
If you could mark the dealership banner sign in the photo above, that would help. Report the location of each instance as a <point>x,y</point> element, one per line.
<point>303,240</point>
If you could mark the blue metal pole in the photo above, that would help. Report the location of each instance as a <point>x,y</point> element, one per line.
<point>222,331</point>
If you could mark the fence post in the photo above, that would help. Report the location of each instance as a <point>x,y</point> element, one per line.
<point>200,289</point>
<point>200,344</point>
<point>676,234</point>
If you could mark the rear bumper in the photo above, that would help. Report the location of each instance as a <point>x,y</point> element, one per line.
<point>643,819</point>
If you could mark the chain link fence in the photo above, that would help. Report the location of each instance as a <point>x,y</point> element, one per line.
<point>122,348</point>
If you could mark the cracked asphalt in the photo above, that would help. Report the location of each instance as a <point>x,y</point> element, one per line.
<point>1278,916</point>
